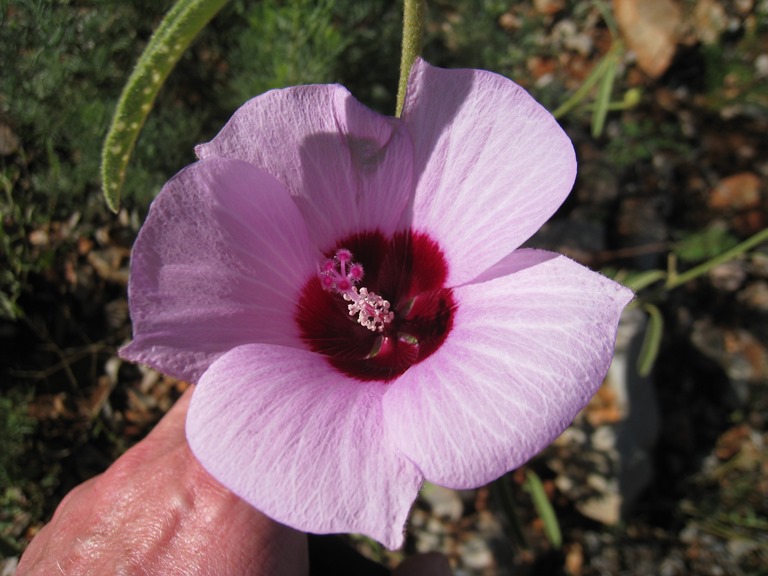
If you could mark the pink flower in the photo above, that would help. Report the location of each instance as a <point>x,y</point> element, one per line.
<point>348,291</point>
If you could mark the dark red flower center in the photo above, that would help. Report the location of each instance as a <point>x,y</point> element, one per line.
<point>378,305</point>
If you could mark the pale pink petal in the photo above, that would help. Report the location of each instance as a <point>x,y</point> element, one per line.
<point>302,443</point>
<point>349,169</point>
<point>218,263</point>
<point>527,351</point>
<point>492,164</point>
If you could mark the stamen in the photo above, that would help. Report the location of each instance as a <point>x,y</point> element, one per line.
<point>340,274</point>
<point>371,309</point>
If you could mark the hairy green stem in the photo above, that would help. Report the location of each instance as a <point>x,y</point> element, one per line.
<point>414,13</point>
<point>174,34</point>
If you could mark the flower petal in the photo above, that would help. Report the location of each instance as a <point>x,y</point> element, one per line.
<point>526,353</point>
<point>219,262</point>
<point>349,168</point>
<point>492,164</point>
<point>305,445</point>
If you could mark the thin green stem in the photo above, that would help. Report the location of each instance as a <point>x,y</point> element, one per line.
<point>596,74</point>
<point>414,13</point>
<point>607,14</point>
<point>676,280</point>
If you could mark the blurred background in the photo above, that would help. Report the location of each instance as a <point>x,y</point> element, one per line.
<point>665,472</point>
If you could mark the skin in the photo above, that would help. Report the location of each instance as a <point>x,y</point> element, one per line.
<point>156,511</point>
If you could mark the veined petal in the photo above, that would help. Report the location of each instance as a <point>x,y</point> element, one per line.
<point>348,168</point>
<point>492,164</point>
<point>305,445</point>
<point>218,263</point>
<point>526,353</point>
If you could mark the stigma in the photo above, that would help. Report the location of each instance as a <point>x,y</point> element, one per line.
<point>341,275</point>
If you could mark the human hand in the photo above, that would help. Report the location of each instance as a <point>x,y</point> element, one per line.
<point>156,511</point>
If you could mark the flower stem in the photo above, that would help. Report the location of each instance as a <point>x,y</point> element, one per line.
<point>674,280</point>
<point>413,38</point>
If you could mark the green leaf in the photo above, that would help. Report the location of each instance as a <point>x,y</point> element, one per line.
<point>177,30</point>
<point>705,244</point>
<point>544,508</point>
<point>603,101</point>
<point>607,13</point>
<point>652,340</point>
<point>608,65</point>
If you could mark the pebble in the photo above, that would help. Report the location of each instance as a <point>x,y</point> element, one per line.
<point>427,541</point>
<point>728,276</point>
<point>444,502</point>
<point>475,553</point>
<point>8,566</point>
<point>761,66</point>
<point>606,508</point>
<point>604,439</point>
<point>755,295</point>
<point>758,264</point>
<point>673,566</point>
<point>572,436</point>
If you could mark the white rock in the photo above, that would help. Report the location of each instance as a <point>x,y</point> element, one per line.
<point>444,502</point>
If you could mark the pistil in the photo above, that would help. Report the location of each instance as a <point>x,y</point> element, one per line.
<point>340,275</point>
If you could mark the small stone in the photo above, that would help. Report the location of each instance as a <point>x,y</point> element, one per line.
<point>8,566</point>
<point>604,408</point>
<point>672,567</point>
<point>755,295</point>
<point>737,192</point>
<point>710,21</point>
<point>605,509</point>
<point>564,483</point>
<point>444,502</point>
<point>741,547</point>
<point>728,276</point>
<point>475,553</point>
<point>567,33</point>
<point>748,351</point>
<point>571,436</point>
<point>541,67</point>
<point>758,265</point>
<point>39,237</point>
<point>574,559</point>
<point>427,542</point>
<point>598,482</point>
<point>434,526</point>
<point>418,518</point>
<point>689,534</point>
<point>761,66</point>
<point>488,523</point>
<point>548,7</point>
<point>604,438</point>
<point>510,22</point>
